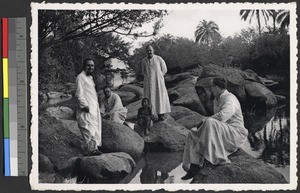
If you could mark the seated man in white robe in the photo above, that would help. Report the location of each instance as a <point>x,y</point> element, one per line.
<point>217,136</point>
<point>111,107</point>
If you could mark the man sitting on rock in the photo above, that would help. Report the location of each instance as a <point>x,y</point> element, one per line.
<point>217,136</point>
<point>111,107</point>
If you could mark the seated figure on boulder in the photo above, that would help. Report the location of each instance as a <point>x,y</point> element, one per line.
<point>217,136</point>
<point>111,107</point>
<point>145,117</point>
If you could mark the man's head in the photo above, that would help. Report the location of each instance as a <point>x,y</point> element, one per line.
<point>150,51</point>
<point>88,66</point>
<point>107,91</point>
<point>145,102</point>
<point>218,85</point>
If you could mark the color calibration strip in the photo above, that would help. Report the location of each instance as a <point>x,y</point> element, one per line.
<point>5,96</point>
<point>15,96</point>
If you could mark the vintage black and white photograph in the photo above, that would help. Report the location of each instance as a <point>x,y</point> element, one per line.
<point>163,96</point>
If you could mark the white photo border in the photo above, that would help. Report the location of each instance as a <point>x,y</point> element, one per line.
<point>34,175</point>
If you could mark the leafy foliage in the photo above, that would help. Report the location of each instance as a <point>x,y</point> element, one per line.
<point>56,26</point>
<point>180,54</point>
<point>66,37</point>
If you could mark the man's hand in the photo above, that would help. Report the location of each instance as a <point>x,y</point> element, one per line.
<point>194,129</point>
<point>86,109</point>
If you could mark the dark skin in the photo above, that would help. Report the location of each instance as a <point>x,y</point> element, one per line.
<point>89,69</point>
<point>107,93</point>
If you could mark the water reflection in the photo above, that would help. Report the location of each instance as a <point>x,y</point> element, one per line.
<point>270,134</point>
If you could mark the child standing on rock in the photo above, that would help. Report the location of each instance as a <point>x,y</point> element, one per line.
<point>145,117</point>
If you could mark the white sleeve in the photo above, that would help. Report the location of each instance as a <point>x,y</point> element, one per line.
<point>79,93</point>
<point>163,66</point>
<point>226,112</point>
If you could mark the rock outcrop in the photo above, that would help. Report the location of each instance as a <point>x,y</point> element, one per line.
<point>166,135</point>
<point>61,112</point>
<point>106,168</point>
<point>120,138</point>
<point>246,86</point>
<point>242,169</point>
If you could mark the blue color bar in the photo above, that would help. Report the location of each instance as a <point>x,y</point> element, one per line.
<point>6,157</point>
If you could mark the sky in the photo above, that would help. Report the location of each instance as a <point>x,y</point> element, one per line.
<point>183,23</point>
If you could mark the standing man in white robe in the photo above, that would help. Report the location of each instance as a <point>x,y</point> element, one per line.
<point>219,135</point>
<point>88,112</point>
<point>153,69</point>
<point>112,108</point>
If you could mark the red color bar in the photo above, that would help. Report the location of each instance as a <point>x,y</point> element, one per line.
<point>5,37</point>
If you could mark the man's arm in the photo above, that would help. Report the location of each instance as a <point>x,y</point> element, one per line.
<point>227,110</point>
<point>83,104</point>
<point>163,66</point>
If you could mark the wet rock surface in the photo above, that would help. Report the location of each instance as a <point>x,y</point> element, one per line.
<point>242,169</point>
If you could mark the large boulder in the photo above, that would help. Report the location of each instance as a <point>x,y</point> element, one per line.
<point>54,140</point>
<point>178,112</point>
<point>190,121</point>
<point>50,178</point>
<point>107,167</point>
<point>138,91</point>
<point>45,165</point>
<point>120,138</point>
<point>127,97</point>
<point>60,112</point>
<point>242,169</point>
<point>172,80</point>
<point>67,169</point>
<point>71,125</point>
<point>245,85</point>
<point>191,101</point>
<point>58,97</point>
<point>179,91</point>
<point>182,87</point>
<point>133,110</point>
<point>166,135</point>
<point>164,162</point>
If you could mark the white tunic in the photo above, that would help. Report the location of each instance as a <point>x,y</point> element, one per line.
<point>220,135</point>
<point>114,107</point>
<point>89,123</point>
<point>154,84</point>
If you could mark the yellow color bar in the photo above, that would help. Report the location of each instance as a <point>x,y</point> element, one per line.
<point>5,77</point>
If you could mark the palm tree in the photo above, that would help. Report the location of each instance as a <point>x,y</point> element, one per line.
<point>250,13</point>
<point>274,14</point>
<point>207,32</point>
<point>283,18</point>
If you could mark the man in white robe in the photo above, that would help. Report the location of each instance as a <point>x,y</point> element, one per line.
<point>153,69</point>
<point>219,135</point>
<point>88,113</point>
<point>112,107</point>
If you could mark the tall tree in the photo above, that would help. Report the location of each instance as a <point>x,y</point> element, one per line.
<point>283,18</point>
<point>207,32</point>
<point>249,14</point>
<point>56,26</point>
<point>273,13</point>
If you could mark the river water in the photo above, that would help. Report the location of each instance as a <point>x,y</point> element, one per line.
<point>269,140</point>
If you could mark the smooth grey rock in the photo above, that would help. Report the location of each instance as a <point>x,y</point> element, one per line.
<point>166,135</point>
<point>60,112</point>
<point>120,138</point>
<point>242,169</point>
<point>108,166</point>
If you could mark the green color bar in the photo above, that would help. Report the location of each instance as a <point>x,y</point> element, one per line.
<point>6,117</point>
